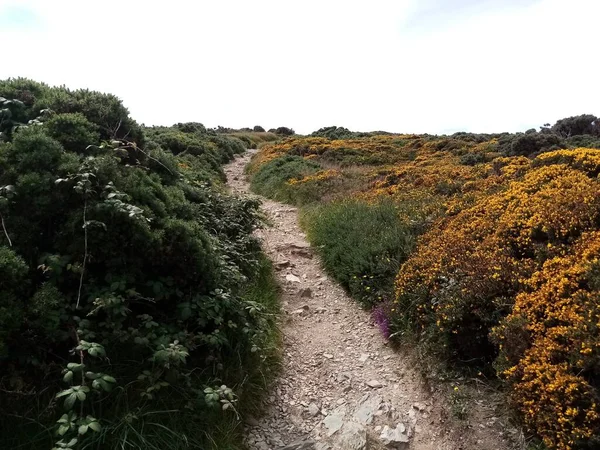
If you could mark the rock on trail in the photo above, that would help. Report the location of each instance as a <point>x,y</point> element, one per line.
<point>341,385</point>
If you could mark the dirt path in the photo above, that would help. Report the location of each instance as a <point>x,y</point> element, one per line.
<point>342,386</point>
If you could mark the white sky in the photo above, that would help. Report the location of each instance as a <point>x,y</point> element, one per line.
<point>435,66</point>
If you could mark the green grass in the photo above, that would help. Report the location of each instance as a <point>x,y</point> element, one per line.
<point>362,245</point>
<point>272,177</point>
<point>264,290</point>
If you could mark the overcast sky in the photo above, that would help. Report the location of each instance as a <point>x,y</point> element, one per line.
<point>435,66</point>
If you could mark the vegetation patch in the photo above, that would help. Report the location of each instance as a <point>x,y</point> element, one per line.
<point>273,178</point>
<point>136,308</point>
<point>361,244</point>
<point>490,244</point>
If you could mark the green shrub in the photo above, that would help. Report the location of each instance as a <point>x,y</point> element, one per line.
<point>362,245</point>
<point>104,110</point>
<point>135,263</point>
<point>284,131</point>
<point>577,125</point>
<point>23,89</point>
<point>178,142</point>
<point>191,127</point>
<point>13,284</point>
<point>200,153</point>
<point>472,159</point>
<point>272,178</point>
<point>583,140</point>
<point>246,141</point>
<point>228,147</point>
<point>336,133</point>
<point>530,144</point>
<point>73,131</point>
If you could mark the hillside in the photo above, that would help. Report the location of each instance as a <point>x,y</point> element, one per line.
<point>148,300</point>
<point>483,249</point>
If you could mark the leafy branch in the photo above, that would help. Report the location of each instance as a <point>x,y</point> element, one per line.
<point>71,425</point>
<point>84,187</point>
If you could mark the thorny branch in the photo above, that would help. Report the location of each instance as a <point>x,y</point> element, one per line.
<point>5,232</point>
<point>85,255</point>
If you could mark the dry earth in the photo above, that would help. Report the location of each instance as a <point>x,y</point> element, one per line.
<point>341,385</point>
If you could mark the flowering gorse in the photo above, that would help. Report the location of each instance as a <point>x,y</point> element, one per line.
<point>506,271</point>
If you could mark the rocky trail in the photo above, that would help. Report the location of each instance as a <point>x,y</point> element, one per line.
<point>341,385</point>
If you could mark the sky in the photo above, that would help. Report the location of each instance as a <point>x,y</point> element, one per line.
<point>414,66</point>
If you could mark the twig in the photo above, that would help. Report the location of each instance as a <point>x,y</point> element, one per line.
<point>116,130</point>
<point>81,361</point>
<point>5,232</point>
<point>136,147</point>
<point>17,392</point>
<point>85,255</point>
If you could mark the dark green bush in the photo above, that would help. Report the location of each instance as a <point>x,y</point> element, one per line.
<point>473,137</point>
<point>13,284</point>
<point>577,125</point>
<point>191,127</point>
<point>104,110</point>
<point>531,144</point>
<point>178,142</point>
<point>23,89</point>
<point>246,141</point>
<point>13,113</point>
<point>284,131</point>
<point>133,262</point>
<point>583,140</point>
<point>201,153</point>
<point>336,133</point>
<point>472,159</point>
<point>73,131</point>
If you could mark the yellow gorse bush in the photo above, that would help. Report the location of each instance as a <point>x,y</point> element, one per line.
<point>508,271</point>
<point>322,175</point>
<point>555,377</point>
<point>531,244</point>
<point>584,159</point>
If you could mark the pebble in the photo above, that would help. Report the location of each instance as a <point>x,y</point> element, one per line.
<point>292,278</point>
<point>306,293</point>
<point>313,409</point>
<point>419,406</point>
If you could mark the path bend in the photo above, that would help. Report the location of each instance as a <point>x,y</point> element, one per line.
<point>341,385</point>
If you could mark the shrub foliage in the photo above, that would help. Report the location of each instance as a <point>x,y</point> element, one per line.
<point>362,245</point>
<point>130,283</point>
<point>504,274</point>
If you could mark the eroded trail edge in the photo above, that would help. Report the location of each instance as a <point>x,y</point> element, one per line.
<point>341,385</point>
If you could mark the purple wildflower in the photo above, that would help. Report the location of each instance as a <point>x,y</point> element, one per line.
<point>380,317</point>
